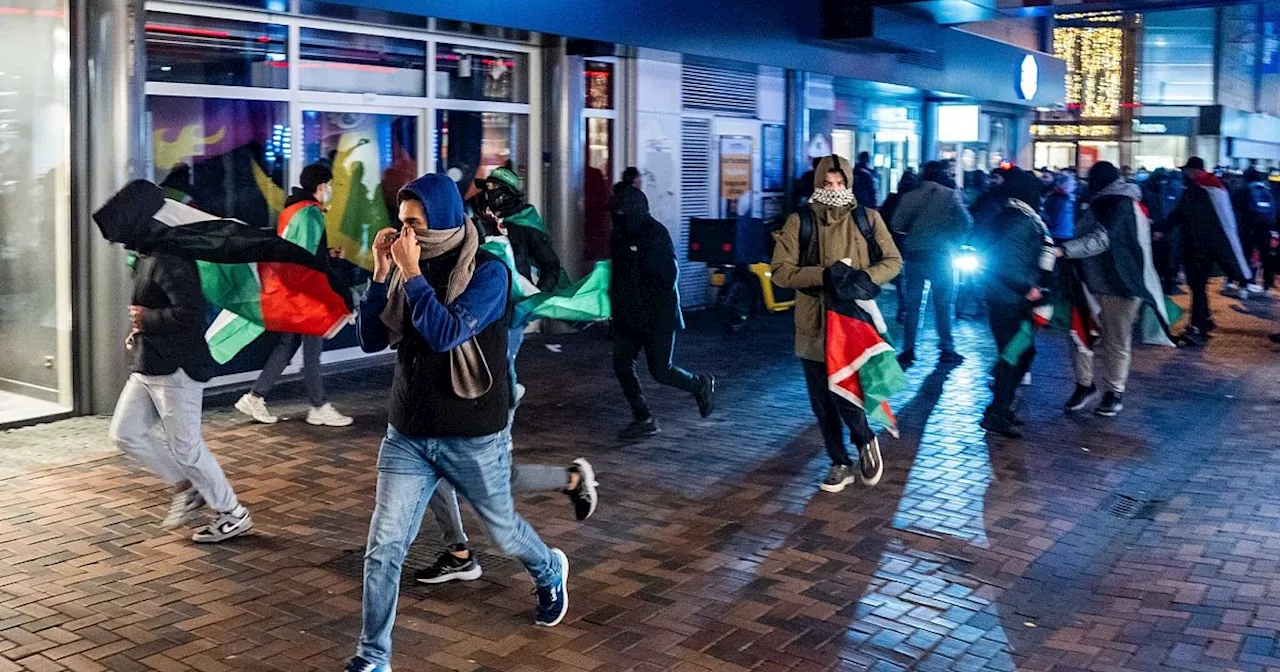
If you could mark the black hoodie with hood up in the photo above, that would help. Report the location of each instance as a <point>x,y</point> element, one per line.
<point>642,287</point>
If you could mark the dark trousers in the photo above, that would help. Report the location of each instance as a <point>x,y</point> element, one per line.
<point>312,346</point>
<point>658,347</point>
<point>1167,255</point>
<point>1199,268</point>
<point>1006,319</point>
<point>834,413</point>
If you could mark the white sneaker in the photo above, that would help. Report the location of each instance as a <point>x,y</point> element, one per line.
<point>1255,288</point>
<point>519,392</point>
<point>1026,379</point>
<point>184,508</point>
<point>253,406</point>
<point>224,527</point>
<point>327,416</point>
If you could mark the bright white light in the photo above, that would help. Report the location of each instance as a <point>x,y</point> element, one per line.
<point>166,68</point>
<point>966,262</point>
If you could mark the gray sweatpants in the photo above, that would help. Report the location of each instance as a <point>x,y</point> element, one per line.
<point>524,478</point>
<point>172,404</point>
<point>1108,364</point>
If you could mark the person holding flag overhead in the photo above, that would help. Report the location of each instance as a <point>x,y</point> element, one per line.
<point>302,223</point>
<point>183,259</point>
<point>1020,253</point>
<point>832,242</point>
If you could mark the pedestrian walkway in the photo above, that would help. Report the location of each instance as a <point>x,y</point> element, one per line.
<point>1146,542</point>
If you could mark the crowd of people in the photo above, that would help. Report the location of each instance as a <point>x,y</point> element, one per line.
<point>1104,250</point>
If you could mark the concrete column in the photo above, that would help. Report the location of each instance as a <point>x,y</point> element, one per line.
<point>563,76</point>
<point>108,137</point>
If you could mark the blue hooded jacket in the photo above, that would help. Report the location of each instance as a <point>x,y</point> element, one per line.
<point>443,327</point>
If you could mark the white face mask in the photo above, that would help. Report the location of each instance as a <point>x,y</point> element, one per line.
<point>325,194</point>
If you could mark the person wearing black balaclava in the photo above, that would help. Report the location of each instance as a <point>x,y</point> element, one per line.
<point>1014,247</point>
<point>646,310</point>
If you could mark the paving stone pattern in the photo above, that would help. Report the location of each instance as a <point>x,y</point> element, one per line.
<point>1147,542</point>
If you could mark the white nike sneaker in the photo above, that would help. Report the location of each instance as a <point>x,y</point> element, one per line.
<point>253,406</point>
<point>184,508</point>
<point>327,416</point>
<point>224,527</point>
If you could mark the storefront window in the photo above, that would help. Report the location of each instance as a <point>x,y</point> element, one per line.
<point>1177,57</point>
<point>1160,151</point>
<point>471,144</point>
<point>1055,155</point>
<point>372,157</point>
<point>35,200</point>
<point>353,63</point>
<point>1090,153</point>
<point>226,157</point>
<point>599,85</point>
<point>200,50</point>
<point>479,73</point>
<point>597,181</point>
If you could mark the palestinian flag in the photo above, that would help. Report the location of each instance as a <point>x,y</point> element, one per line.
<point>292,294</point>
<point>861,365</point>
<point>1225,238</point>
<point>586,300</point>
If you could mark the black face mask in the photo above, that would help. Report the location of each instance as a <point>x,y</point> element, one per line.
<point>503,202</point>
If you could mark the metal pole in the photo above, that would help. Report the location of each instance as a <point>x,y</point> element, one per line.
<point>563,75</point>
<point>109,134</point>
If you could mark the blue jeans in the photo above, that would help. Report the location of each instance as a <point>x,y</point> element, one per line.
<point>515,338</point>
<point>409,469</point>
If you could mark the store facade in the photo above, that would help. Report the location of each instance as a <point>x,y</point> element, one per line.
<point>224,105</point>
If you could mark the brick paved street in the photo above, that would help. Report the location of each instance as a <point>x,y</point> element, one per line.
<point>1147,542</point>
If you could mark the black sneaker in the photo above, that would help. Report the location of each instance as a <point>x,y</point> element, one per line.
<point>1275,338</point>
<point>1111,405</point>
<point>906,359</point>
<point>640,429</point>
<point>584,497</point>
<point>449,567</point>
<point>1194,337</point>
<point>950,357</point>
<point>1015,420</point>
<point>1082,397</point>
<point>705,394</point>
<point>870,464</point>
<point>838,476</point>
<point>998,424</point>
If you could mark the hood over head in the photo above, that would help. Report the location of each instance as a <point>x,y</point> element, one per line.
<point>630,208</point>
<point>440,198</point>
<point>1023,186</point>
<point>832,162</point>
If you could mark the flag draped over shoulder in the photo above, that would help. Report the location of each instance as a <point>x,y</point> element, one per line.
<point>1226,247</point>
<point>290,294</point>
<point>861,365</point>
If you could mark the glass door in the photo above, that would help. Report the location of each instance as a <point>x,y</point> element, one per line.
<point>35,223</point>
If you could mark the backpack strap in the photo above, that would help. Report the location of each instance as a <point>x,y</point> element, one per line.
<point>807,238</point>
<point>874,253</point>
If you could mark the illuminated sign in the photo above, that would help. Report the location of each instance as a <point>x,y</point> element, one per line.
<point>1028,77</point>
<point>958,123</point>
<point>1152,128</point>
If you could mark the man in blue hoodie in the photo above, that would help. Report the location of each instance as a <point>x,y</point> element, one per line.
<point>441,302</point>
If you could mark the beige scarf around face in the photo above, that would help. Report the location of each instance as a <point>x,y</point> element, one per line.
<point>468,368</point>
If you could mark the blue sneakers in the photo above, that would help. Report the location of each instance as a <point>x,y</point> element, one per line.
<point>359,664</point>
<point>553,600</point>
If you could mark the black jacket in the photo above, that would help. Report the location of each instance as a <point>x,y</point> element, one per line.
<point>532,247</point>
<point>642,287</point>
<point>172,335</point>
<point>1012,248</point>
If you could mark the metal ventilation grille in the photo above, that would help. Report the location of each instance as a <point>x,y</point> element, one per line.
<point>707,87</point>
<point>695,201</point>
<point>924,59</point>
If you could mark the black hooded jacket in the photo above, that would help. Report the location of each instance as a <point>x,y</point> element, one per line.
<point>642,287</point>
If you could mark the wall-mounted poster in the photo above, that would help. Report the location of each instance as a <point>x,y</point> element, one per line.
<point>735,166</point>
<point>773,156</point>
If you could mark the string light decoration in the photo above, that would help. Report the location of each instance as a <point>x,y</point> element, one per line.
<point>1095,57</point>
<point>1074,130</point>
